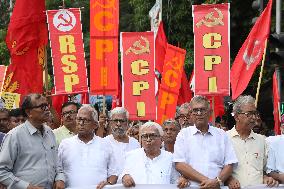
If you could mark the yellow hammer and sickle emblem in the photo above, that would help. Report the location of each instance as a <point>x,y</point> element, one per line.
<point>137,48</point>
<point>108,5</point>
<point>210,20</point>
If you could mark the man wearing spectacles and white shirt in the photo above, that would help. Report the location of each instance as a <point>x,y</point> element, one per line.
<point>250,147</point>
<point>203,153</point>
<point>150,164</point>
<point>118,141</point>
<point>85,158</point>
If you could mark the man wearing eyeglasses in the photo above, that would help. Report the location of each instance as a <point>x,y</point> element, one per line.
<point>183,115</point>
<point>68,116</point>
<point>28,154</point>
<point>250,147</point>
<point>86,158</point>
<point>203,153</point>
<point>119,141</point>
<point>150,164</point>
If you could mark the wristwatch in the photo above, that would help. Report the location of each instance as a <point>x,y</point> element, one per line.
<point>219,181</point>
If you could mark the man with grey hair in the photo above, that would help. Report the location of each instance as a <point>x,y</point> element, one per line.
<point>250,147</point>
<point>150,164</point>
<point>183,115</point>
<point>203,153</point>
<point>171,129</point>
<point>119,141</point>
<point>85,157</point>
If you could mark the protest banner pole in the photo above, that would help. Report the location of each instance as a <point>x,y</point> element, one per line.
<point>213,110</point>
<point>104,105</point>
<point>260,74</point>
<point>45,71</point>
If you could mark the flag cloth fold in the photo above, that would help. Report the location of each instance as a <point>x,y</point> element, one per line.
<point>26,36</point>
<point>250,54</point>
<point>185,93</point>
<point>276,105</point>
<point>160,48</point>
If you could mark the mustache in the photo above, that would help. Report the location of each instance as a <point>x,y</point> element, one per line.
<point>118,131</point>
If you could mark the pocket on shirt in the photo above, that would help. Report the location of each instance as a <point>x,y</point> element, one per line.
<point>257,161</point>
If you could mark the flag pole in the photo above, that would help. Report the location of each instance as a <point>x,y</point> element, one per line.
<point>260,74</point>
<point>213,110</point>
<point>45,71</point>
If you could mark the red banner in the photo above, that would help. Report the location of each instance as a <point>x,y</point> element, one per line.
<point>211,49</point>
<point>104,19</point>
<point>66,41</point>
<point>2,75</point>
<point>138,87</point>
<point>171,82</point>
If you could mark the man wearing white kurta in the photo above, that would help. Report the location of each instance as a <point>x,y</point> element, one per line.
<point>150,164</point>
<point>85,158</point>
<point>204,153</point>
<point>118,141</point>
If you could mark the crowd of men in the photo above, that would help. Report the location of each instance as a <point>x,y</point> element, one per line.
<point>89,149</point>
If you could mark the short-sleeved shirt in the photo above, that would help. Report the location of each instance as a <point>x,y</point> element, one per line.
<point>207,153</point>
<point>251,154</point>
<point>62,133</point>
<point>120,149</point>
<point>275,160</point>
<point>85,164</point>
<point>28,156</point>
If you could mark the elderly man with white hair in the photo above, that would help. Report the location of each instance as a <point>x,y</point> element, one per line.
<point>150,164</point>
<point>118,141</point>
<point>85,158</point>
<point>203,153</point>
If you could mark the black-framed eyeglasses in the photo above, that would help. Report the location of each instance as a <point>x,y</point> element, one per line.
<point>83,121</point>
<point>118,120</point>
<point>199,111</point>
<point>250,114</point>
<point>151,136</point>
<point>72,112</point>
<point>43,107</point>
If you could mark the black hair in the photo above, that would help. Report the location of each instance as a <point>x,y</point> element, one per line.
<point>70,103</point>
<point>16,112</point>
<point>27,102</point>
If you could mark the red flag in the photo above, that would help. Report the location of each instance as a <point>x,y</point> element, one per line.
<point>160,48</point>
<point>185,93</point>
<point>250,53</point>
<point>219,109</point>
<point>116,100</point>
<point>85,98</point>
<point>276,105</point>
<point>26,35</point>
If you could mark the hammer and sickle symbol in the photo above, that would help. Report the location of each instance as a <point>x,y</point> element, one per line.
<point>137,48</point>
<point>175,63</point>
<point>108,5</point>
<point>66,22</point>
<point>20,52</point>
<point>250,57</point>
<point>210,20</point>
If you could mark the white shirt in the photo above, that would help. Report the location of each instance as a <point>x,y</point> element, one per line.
<point>207,153</point>
<point>120,149</point>
<point>85,164</point>
<point>275,160</point>
<point>144,170</point>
